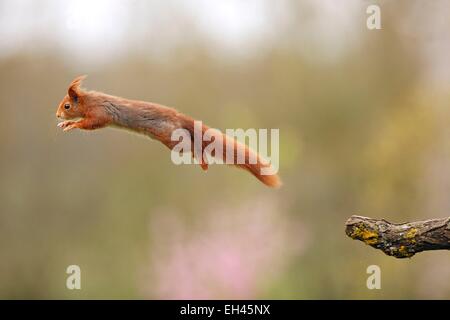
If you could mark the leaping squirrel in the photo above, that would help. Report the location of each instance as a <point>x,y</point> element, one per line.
<point>97,110</point>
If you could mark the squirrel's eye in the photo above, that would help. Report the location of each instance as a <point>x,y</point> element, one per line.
<point>67,106</point>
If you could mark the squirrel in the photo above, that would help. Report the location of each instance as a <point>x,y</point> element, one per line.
<point>95,110</point>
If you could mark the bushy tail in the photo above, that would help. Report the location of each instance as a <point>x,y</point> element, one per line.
<point>254,167</point>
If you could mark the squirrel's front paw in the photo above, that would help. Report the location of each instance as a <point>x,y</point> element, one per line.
<point>64,124</point>
<point>67,125</point>
<point>70,126</point>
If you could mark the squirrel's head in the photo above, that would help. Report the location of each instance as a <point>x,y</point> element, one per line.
<point>70,106</point>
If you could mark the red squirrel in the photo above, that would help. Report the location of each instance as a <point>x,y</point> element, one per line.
<point>95,110</point>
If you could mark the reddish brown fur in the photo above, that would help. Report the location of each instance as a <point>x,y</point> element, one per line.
<point>97,110</point>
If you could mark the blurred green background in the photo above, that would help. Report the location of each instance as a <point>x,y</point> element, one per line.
<point>363,130</point>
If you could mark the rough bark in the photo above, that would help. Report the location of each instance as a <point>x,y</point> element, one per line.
<point>400,240</point>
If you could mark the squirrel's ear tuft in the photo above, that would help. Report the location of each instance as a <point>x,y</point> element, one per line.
<point>74,87</point>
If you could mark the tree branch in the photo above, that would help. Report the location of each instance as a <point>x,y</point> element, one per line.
<point>400,240</point>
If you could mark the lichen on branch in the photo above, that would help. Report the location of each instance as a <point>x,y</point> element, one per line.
<point>400,240</point>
